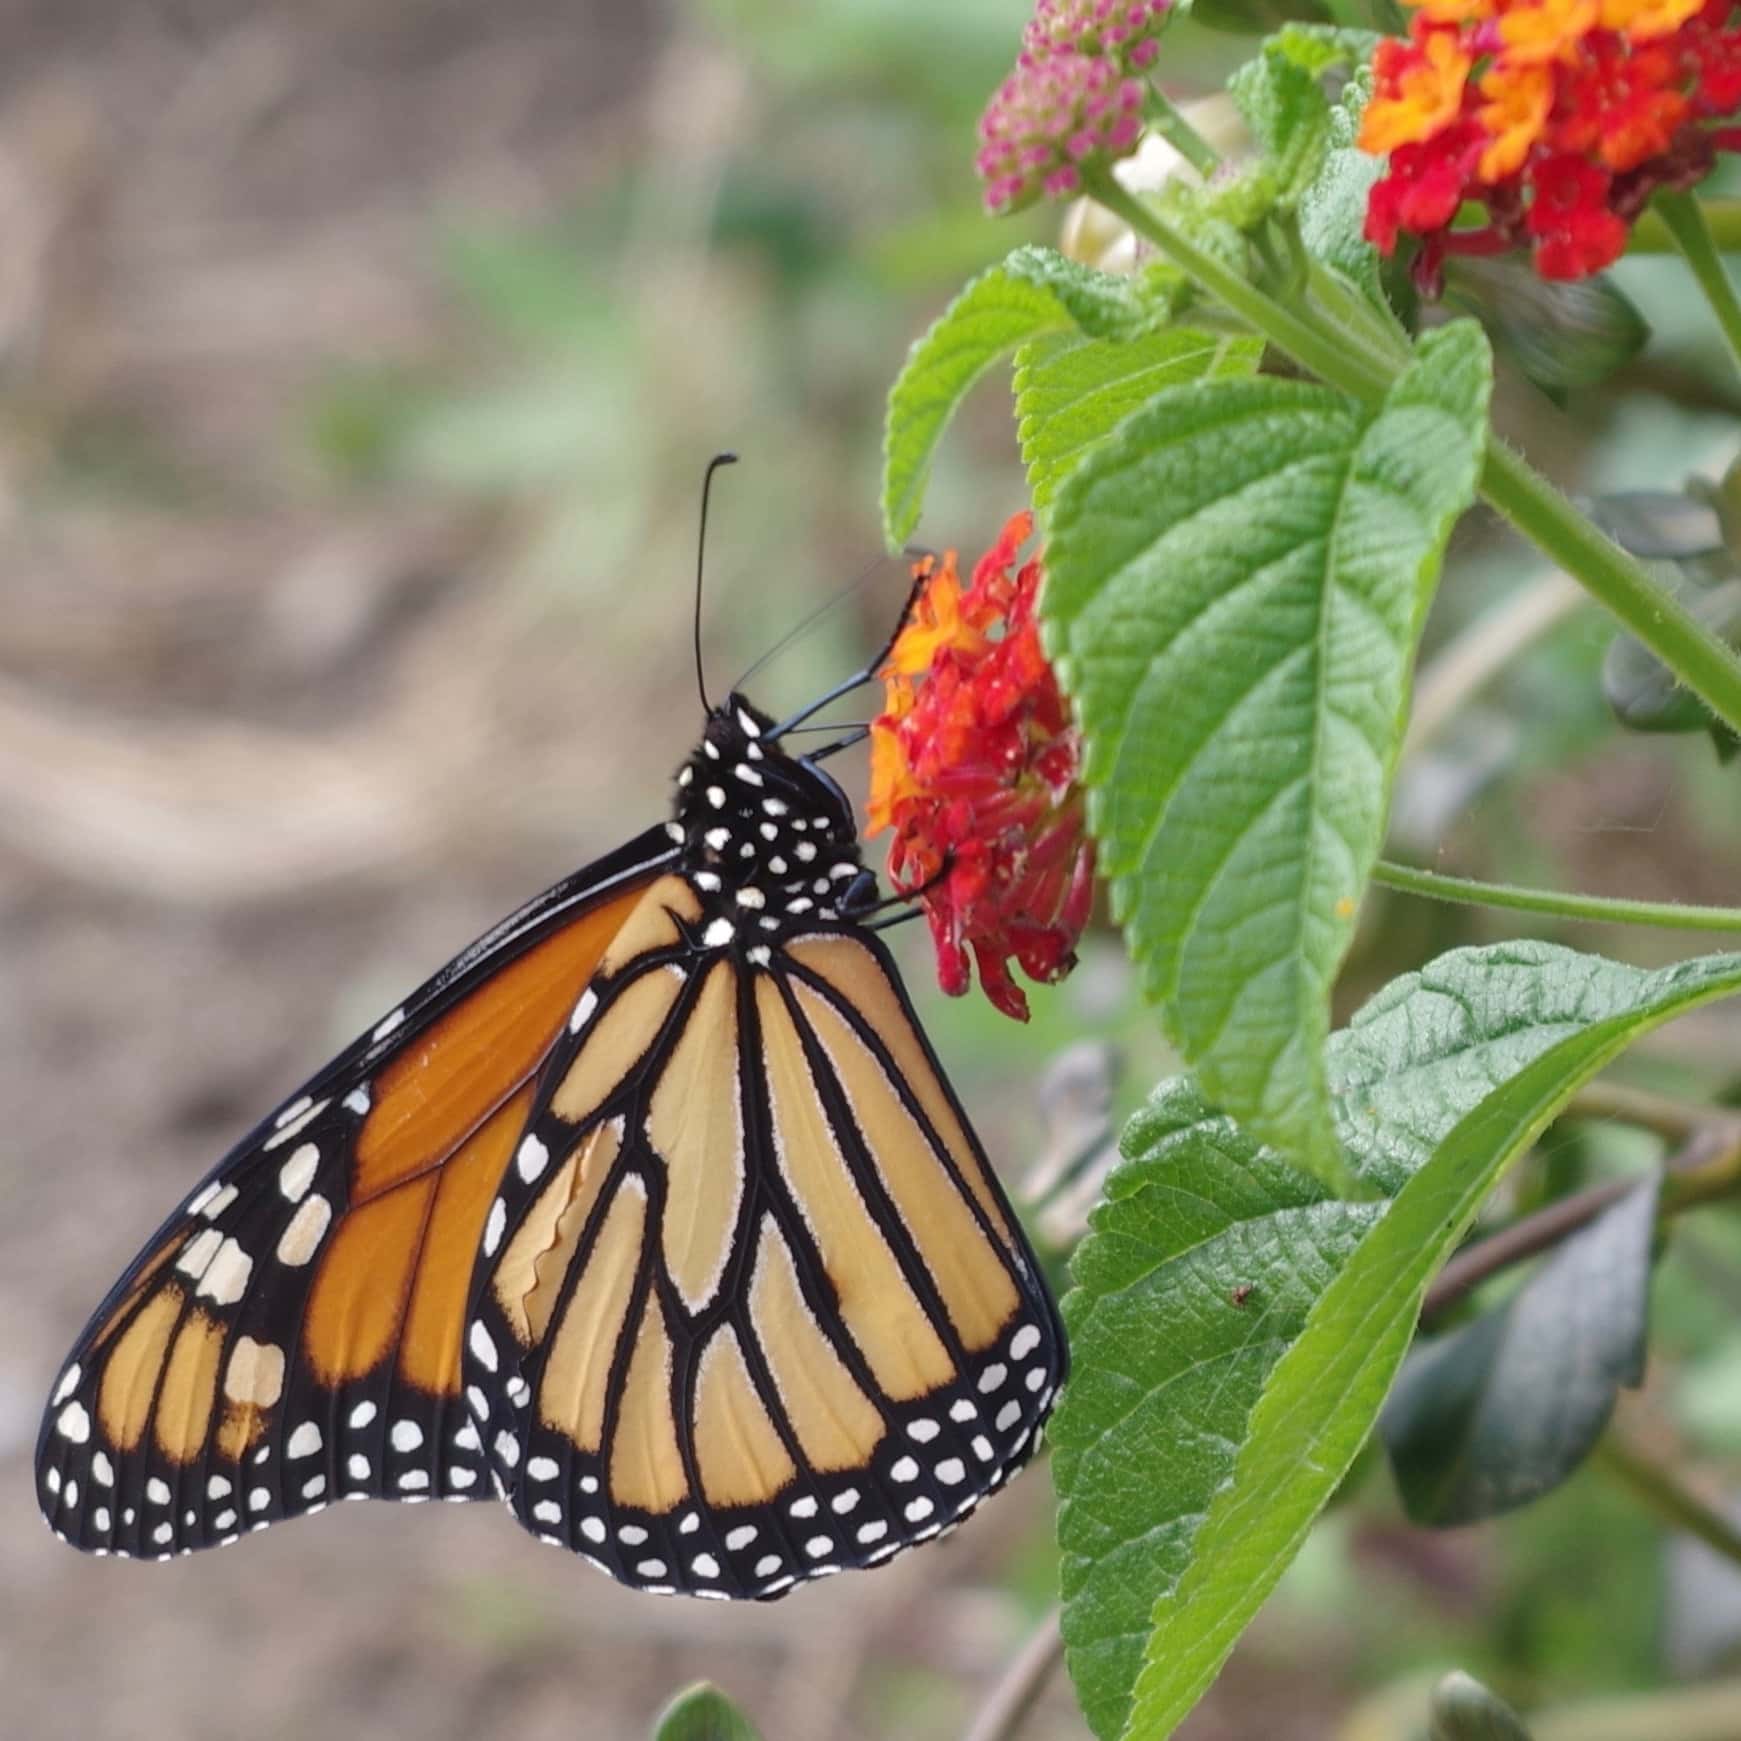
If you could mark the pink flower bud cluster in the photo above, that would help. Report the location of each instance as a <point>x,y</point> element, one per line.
<point>1127,31</point>
<point>1056,115</point>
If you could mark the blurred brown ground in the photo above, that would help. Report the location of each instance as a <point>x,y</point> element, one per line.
<point>271,749</point>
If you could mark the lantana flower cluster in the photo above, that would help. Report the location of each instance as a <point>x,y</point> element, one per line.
<point>974,766</point>
<point>1560,117</point>
<point>1073,100</point>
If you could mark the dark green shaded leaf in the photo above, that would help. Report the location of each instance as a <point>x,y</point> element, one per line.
<point>1034,292</point>
<point>1236,581</point>
<point>703,1713</point>
<point>1501,1411</point>
<point>1072,392</point>
<point>1461,1709</point>
<point>1561,334</point>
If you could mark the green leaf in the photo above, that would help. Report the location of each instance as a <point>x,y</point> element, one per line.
<point>1454,1027</point>
<point>1281,96</point>
<point>703,1713</point>
<point>1034,292</point>
<point>1461,1709</point>
<point>1332,212</point>
<point>1200,1268</point>
<point>1072,392</point>
<point>1289,117</point>
<point>1236,582</point>
<point>1501,1411</point>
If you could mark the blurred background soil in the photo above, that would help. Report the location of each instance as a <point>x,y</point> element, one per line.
<point>358,363</point>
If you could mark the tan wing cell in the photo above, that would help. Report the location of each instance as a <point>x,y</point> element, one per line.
<point>695,1123</point>
<point>856,974</point>
<point>741,1457</point>
<point>646,1464</point>
<point>970,1273</point>
<point>880,1310</point>
<point>571,1396</point>
<point>835,1422</point>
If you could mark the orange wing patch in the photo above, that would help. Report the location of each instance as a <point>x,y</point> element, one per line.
<point>432,1097</point>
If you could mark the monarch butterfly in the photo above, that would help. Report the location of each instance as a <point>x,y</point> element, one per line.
<point>651,1212</point>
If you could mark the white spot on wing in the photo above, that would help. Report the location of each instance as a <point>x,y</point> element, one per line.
<point>405,1436</point>
<point>483,1345</point>
<point>532,1159</point>
<point>306,1229</point>
<point>226,1277</point>
<point>297,1173</point>
<point>357,1100</point>
<point>718,933</point>
<point>304,1442</point>
<point>583,1010</point>
<point>495,1227</point>
<point>201,1249</point>
<point>389,1025</point>
<point>361,1415</point>
<point>69,1382</point>
<point>288,1130</point>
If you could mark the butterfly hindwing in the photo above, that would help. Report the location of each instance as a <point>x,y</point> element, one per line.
<point>292,1333</point>
<point>764,1310</point>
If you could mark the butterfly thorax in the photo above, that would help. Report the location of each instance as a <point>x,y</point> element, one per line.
<point>767,839</point>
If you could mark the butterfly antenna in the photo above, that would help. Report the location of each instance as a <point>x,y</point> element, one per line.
<point>713,465</point>
<point>866,673</point>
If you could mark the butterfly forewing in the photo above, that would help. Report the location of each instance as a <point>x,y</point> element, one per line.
<point>292,1334</point>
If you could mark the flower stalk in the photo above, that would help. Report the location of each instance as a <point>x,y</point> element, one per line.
<point>1692,236</point>
<point>1341,357</point>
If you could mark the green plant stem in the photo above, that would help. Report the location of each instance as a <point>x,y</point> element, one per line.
<point>1651,235</point>
<point>1606,910</point>
<point>1620,1103</point>
<point>1163,115</point>
<point>1705,1168</point>
<point>1660,1489</point>
<point>1685,219</point>
<point>1342,358</point>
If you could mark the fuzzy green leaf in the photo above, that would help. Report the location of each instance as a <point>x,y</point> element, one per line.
<point>1072,392</point>
<point>1236,582</point>
<point>1202,1283</point>
<point>703,1713</point>
<point>1534,1022</point>
<point>1034,292</point>
<point>1332,211</point>
<point>1201,1268</point>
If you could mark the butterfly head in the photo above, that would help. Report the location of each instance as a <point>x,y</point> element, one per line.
<point>755,817</point>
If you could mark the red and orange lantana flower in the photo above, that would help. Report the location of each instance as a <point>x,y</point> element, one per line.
<point>1560,118</point>
<point>974,766</point>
